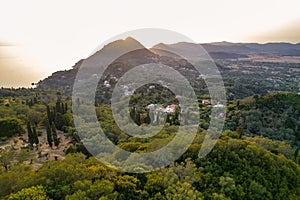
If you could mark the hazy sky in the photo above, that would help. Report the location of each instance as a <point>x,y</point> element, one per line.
<point>53,35</point>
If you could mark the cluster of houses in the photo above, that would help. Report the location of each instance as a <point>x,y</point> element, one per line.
<point>159,109</point>
<point>158,112</point>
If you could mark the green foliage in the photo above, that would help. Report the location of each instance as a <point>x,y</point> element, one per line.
<point>49,135</point>
<point>78,195</point>
<point>10,126</point>
<point>32,193</point>
<point>54,135</point>
<point>239,166</point>
<point>235,169</point>
<point>31,136</point>
<point>276,116</point>
<point>242,164</point>
<point>35,135</point>
<point>6,158</point>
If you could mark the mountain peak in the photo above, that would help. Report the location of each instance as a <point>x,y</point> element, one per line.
<point>130,39</point>
<point>122,45</point>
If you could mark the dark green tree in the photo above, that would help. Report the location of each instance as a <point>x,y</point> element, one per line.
<point>30,134</point>
<point>66,107</point>
<point>10,126</point>
<point>240,131</point>
<point>147,119</point>
<point>137,119</point>
<point>63,111</point>
<point>35,135</point>
<point>58,106</point>
<point>49,135</point>
<point>54,135</point>
<point>49,115</point>
<point>133,113</point>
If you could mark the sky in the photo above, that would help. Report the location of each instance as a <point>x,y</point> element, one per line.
<point>38,38</point>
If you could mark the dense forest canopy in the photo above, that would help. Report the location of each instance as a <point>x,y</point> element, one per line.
<point>244,164</point>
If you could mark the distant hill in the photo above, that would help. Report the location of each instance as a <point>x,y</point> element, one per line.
<point>238,48</point>
<point>227,56</point>
<point>65,79</point>
<point>137,55</point>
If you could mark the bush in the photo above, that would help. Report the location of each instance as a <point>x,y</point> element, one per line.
<point>10,126</point>
<point>32,193</point>
<point>39,133</point>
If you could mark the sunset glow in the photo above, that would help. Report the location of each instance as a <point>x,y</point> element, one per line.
<point>54,35</point>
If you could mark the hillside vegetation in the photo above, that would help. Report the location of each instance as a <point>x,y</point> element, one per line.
<point>239,166</point>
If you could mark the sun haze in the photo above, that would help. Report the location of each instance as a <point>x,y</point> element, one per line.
<point>56,34</point>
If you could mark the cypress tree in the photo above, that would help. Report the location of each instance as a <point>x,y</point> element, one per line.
<point>49,114</point>
<point>66,107</point>
<point>54,135</point>
<point>147,119</point>
<point>30,134</point>
<point>63,111</point>
<point>137,118</point>
<point>240,131</point>
<point>133,114</point>
<point>49,135</point>
<point>58,106</point>
<point>35,136</point>
<point>54,114</point>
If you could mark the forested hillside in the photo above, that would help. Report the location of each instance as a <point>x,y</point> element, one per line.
<point>243,165</point>
<point>276,116</point>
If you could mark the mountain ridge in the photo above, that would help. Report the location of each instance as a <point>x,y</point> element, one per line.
<point>159,52</point>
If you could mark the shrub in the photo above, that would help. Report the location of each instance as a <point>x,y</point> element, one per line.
<point>10,126</point>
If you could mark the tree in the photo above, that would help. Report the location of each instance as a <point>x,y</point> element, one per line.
<point>54,135</point>
<point>240,131</point>
<point>23,155</point>
<point>58,106</point>
<point>30,134</point>
<point>49,115</point>
<point>66,107</point>
<point>101,188</point>
<point>63,111</point>
<point>257,191</point>
<point>32,193</point>
<point>34,116</point>
<point>147,119</point>
<point>227,185</point>
<point>137,118</point>
<point>126,186</point>
<point>78,195</point>
<point>6,157</point>
<point>49,135</point>
<point>10,126</point>
<point>35,135</point>
<point>182,190</point>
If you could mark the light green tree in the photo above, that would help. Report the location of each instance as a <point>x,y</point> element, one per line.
<point>32,193</point>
